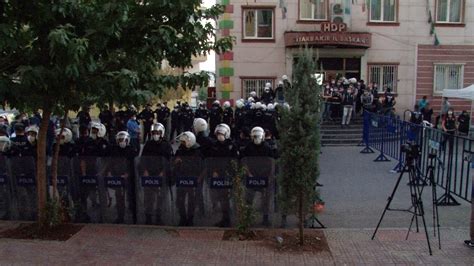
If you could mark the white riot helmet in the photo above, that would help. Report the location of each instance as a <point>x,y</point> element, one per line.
<point>258,135</point>
<point>101,131</point>
<point>280,83</point>
<point>66,135</point>
<point>270,107</point>
<point>199,125</point>
<point>251,100</point>
<point>226,104</point>
<point>157,127</point>
<point>264,107</point>
<point>222,130</point>
<point>252,105</point>
<point>217,102</point>
<point>253,94</point>
<point>284,77</point>
<point>258,105</point>
<point>286,106</point>
<point>268,85</point>
<point>239,104</point>
<point>353,80</point>
<point>5,143</point>
<point>122,139</point>
<point>32,137</point>
<point>188,138</point>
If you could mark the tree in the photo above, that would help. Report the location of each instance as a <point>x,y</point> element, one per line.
<point>299,140</point>
<point>59,55</point>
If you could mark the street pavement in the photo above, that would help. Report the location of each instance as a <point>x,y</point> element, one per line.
<point>355,191</point>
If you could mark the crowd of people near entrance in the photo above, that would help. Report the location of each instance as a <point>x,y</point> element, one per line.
<point>344,98</point>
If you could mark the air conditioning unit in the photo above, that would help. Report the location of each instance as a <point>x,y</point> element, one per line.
<point>337,13</point>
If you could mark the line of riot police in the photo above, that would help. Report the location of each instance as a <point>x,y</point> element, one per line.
<point>110,182</point>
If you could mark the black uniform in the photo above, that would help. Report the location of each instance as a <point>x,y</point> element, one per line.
<point>187,118</point>
<point>155,195</point>
<point>203,113</point>
<point>228,117</point>
<point>162,116</point>
<point>267,96</point>
<point>22,147</point>
<point>463,120</point>
<point>225,150</point>
<point>121,166</point>
<point>85,169</point>
<point>147,116</point>
<point>215,117</point>
<point>204,142</point>
<point>84,119</point>
<point>239,117</point>
<point>107,118</point>
<point>185,162</point>
<point>258,118</point>
<point>175,122</point>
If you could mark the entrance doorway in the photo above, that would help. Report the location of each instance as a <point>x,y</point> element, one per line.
<point>334,68</point>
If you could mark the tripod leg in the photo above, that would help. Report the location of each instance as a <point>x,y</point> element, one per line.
<point>389,201</point>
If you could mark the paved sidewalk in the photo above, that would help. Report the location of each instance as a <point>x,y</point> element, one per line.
<point>140,245</point>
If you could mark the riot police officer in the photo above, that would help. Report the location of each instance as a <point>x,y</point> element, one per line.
<point>239,117</point>
<point>200,128</point>
<point>175,121</point>
<point>156,146</point>
<point>222,148</point>
<point>125,153</point>
<point>187,117</point>
<point>228,114</point>
<point>66,148</point>
<point>186,155</point>
<point>258,115</point>
<point>4,185</point>
<point>106,117</point>
<point>84,117</point>
<point>88,147</point>
<point>202,112</point>
<point>24,145</point>
<point>215,116</point>
<point>267,95</point>
<point>146,116</point>
<point>258,147</point>
<point>162,115</point>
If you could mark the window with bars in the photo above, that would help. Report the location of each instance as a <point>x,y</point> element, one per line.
<point>448,76</point>
<point>254,84</point>
<point>258,23</point>
<point>449,11</point>
<point>383,10</point>
<point>384,75</point>
<point>313,10</point>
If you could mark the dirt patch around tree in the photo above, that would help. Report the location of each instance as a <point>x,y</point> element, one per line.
<point>33,231</point>
<point>283,240</point>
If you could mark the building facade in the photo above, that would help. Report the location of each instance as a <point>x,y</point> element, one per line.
<point>416,47</point>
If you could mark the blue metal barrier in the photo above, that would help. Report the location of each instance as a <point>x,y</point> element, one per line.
<point>453,153</point>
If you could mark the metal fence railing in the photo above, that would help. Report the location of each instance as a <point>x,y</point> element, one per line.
<point>454,154</point>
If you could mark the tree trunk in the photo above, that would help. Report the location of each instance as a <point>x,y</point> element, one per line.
<point>301,216</point>
<point>41,166</point>
<point>54,162</point>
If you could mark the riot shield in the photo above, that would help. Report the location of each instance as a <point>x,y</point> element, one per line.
<point>153,197</point>
<point>219,183</point>
<point>259,184</point>
<point>116,184</point>
<point>23,172</point>
<point>63,181</point>
<point>187,178</point>
<point>5,190</point>
<point>85,189</point>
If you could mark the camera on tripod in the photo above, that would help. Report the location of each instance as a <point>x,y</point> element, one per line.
<point>411,150</point>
